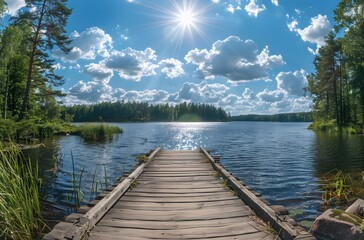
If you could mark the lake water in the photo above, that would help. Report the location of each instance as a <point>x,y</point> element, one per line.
<point>285,162</point>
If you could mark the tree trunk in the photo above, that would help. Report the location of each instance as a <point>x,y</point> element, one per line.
<point>362,103</point>
<point>335,92</point>
<point>24,106</point>
<point>5,106</point>
<point>342,112</point>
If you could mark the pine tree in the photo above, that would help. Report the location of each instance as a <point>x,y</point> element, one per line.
<point>48,19</point>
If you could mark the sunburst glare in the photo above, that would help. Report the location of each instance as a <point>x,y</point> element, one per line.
<point>183,21</point>
<point>186,19</point>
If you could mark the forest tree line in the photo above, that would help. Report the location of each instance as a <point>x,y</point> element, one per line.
<point>337,85</point>
<point>282,117</point>
<point>143,111</point>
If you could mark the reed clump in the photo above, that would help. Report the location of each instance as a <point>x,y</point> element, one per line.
<point>337,189</point>
<point>98,132</point>
<point>20,210</point>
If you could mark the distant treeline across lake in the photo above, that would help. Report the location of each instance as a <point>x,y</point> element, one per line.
<point>183,112</point>
<point>282,117</point>
<point>145,112</point>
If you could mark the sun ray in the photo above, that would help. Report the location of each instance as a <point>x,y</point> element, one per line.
<point>183,21</point>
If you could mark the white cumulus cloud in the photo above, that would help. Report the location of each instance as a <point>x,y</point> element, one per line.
<point>292,26</point>
<point>314,33</point>
<point>202,92</point>
<point>248,94</point>
<point>253,9</point>
<point>87,45</point>
<point>172,68</point>
<point>89,92</point>
<point>234,59</point>
<point>271,96</point>
<point>132,64</point>
<point>99,72</point>
<point>292,82</point>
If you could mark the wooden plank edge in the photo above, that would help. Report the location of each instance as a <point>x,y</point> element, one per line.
<point>84,224</point>
<point>285,229</point>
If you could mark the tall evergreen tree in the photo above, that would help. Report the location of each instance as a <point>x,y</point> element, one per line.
<point>349,15</point>
<point>48,19</point>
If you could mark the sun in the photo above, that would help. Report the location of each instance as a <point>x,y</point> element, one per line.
<point>183,21</point>
<point>187,18</point>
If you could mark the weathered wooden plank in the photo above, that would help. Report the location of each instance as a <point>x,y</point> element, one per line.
<point>168,225</point>
<point>182,208</point>
<point>179,179</point>
<point>186,205</point>
<point>176,169</point>
<point>178,174</point>
<point>250,236</point>
<point>193,233</point>
<point>185,215</point>
<point>176,195</point>
<point>178,200</point>
<point>186,186</point>
<point>178,190</point>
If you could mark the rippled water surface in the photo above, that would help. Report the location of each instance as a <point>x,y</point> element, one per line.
<point>283,161</point>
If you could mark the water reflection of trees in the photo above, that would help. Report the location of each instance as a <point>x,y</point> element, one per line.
<point>338,151</point>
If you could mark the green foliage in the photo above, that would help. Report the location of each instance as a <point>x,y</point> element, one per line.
<point>338,83</point>
<point>136,112</point>
<point>14,69</point>
<point>48,19</point>
<point>7,129</point>
<point>20,216</point>
<point>98,132</point>
<point>283,117</point>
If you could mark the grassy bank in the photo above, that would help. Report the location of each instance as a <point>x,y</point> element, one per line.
<point>20,216</point>
<point>33,129</point>
<point>30,130</point>
<point>331,126</point>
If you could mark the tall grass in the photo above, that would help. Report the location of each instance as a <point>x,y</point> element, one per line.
<point>76,197</point>
<point>98,132</point>
<point>20,213</point>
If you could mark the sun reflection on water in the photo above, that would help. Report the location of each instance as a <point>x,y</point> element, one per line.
<point>188,136</point>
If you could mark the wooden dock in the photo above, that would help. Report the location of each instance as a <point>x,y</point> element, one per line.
<point>179,195</point>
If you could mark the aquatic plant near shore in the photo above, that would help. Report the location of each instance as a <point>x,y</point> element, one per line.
<point>337,189</point>
<point>76,197</point>
<point>98,132</point>
<point>20,216</point>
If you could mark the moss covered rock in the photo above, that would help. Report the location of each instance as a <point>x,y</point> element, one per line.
<point>337,225</point>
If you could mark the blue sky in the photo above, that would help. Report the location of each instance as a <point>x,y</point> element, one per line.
<point>246,56</point>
